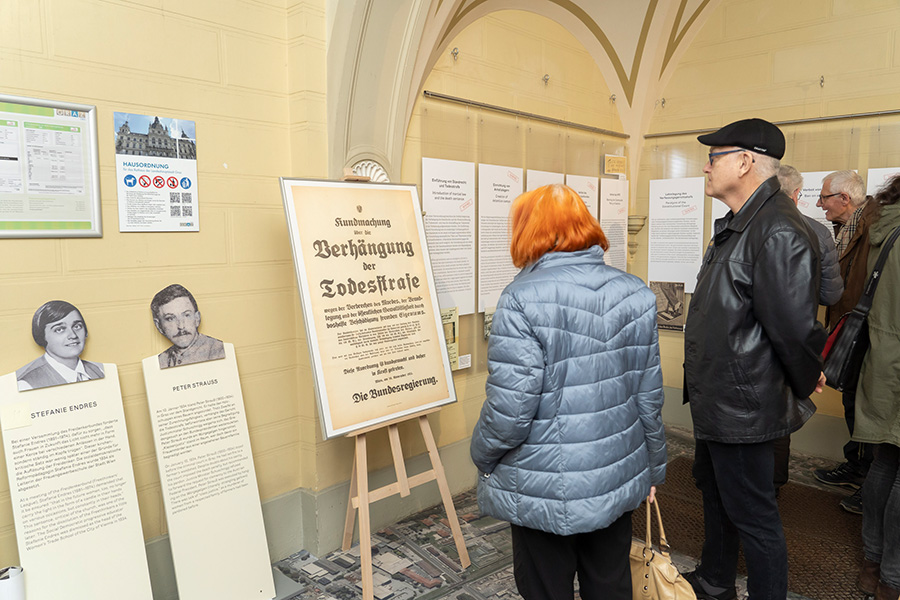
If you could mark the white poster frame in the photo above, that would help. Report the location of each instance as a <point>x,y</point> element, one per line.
<point>312,335</point>
<point>91,164</point>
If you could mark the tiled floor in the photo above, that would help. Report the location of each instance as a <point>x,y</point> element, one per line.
<point>416,559</point>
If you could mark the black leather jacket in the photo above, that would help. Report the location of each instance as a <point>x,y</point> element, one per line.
<point>752,344</point>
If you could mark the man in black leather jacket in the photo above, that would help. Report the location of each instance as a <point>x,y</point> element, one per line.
<point>752,357</point>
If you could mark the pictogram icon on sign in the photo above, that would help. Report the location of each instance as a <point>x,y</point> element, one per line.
<point>172,182</point>
<point>159,181</point>
<point>185,182</point>
<point>144,181</point>
<point>130,180</point>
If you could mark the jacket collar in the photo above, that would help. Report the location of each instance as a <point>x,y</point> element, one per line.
<point>888,220</point>
<point>594,254</point>
<point>757,199</point>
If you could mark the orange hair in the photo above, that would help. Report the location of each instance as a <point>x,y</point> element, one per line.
<point>552,218</point>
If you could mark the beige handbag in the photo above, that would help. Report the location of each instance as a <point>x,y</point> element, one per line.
<point>653,576</point>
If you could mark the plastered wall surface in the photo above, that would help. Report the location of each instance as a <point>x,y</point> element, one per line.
<point>227,65</point>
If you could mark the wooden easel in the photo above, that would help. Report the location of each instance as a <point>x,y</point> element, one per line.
<point>361,497</point>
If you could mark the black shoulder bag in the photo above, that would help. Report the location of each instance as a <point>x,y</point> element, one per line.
<point>848,342</point>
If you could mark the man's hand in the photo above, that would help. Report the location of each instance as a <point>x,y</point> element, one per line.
<point>652,497</point>
<point>820,385</point>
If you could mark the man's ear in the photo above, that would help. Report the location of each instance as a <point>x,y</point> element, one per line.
<point>158,328</point>
<point>746,164</point>
<point>197,318</point>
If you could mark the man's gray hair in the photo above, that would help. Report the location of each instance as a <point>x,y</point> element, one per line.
<point>847,182</point>
<point>766,166</point>
<point>790,179</point>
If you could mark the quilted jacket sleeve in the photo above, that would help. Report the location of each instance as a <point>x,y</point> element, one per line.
<point>514,384</point>
<point>832,286</point>
<point>650,402</point>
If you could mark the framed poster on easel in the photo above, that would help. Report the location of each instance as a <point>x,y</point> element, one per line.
<point>372,319</point>
<point>374,331</point>
<point>49,170</point>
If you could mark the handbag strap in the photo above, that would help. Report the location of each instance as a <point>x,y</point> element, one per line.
<point>865,301</point>
<point>647,543</point>
<point>663,543</point>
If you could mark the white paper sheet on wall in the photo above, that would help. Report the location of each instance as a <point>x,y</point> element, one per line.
<point>588,189</point>
<point>614,220</point>
<point>448,199</point>
<point>536,179</point>
<point>676,230</point>
<point>498,187</point>
<point>878,177</point>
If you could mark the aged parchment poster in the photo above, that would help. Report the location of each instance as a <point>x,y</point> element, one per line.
<point>370,309</point>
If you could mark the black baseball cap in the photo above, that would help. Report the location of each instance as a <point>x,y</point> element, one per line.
<point>756,135</point>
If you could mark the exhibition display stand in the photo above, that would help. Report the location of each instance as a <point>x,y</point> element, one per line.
<point>361,496</point>
<point>374,329</point>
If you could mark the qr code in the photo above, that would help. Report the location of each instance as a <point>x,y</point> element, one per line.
<point>176,211</point>
<point>186,197</point>
<point>174,197</point>
<point>187,211</point>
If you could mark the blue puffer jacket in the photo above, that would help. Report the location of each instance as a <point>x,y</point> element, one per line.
<point>570,436</point>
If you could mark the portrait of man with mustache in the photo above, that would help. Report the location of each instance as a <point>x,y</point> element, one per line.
<point>176,316</point>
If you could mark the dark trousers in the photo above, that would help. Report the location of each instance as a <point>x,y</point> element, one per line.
<point>739,508</point>
<point>859,455</point>
<point>881,513</point>
<point>782,447</point>
<point>545,564</point>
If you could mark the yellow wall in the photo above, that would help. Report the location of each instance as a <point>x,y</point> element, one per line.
<point>767,58</point>
<point>251,74</point>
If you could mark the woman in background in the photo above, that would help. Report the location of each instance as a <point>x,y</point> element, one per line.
<point>570,438</point>
<point>878,411</point>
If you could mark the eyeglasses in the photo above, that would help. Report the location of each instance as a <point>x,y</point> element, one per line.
<point>822,198</point>
<point>712,155</point>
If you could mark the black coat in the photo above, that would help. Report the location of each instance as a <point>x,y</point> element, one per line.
<point>752,344</point>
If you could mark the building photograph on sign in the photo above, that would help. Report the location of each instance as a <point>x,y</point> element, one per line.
<point>374,327</point>
<point>156,173</point>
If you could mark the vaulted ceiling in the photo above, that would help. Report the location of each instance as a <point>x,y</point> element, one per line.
<point>380,53</point>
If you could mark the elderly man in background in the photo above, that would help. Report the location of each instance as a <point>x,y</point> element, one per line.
<point>832,285</point>
<point>830,290</point>
<point>751,358</point>
<point>844,200</point>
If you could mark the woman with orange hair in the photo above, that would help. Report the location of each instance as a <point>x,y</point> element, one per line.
<point>570,438</point>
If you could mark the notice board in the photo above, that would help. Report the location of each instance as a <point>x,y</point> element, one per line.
<point>49,171</point>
